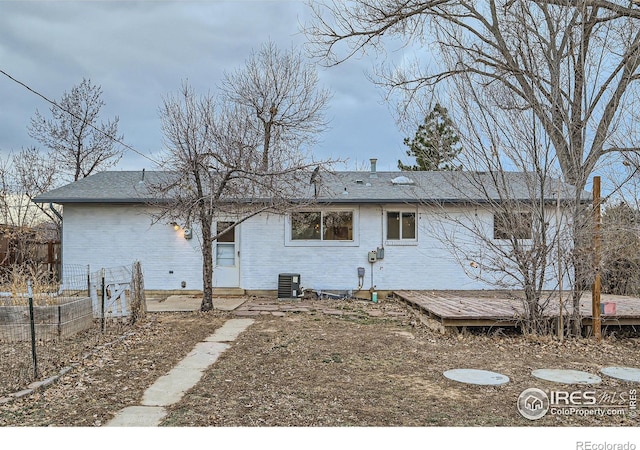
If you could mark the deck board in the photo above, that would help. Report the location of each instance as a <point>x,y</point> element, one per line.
<point>486,308</point>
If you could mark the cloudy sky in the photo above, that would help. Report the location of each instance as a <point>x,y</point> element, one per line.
<point>139,52</point>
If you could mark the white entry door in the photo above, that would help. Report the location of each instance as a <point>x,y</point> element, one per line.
<point>226,272</point>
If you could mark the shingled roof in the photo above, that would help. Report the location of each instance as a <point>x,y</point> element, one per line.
<point>333,187</point>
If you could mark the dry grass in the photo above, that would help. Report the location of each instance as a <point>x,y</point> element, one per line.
<point>19,280</point>
<point>349,363</point>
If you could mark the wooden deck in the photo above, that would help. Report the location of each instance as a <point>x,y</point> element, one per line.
<point>496,308</point>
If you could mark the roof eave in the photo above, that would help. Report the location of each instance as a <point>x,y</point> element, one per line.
<point>323,201</point>
<point>63,200</point>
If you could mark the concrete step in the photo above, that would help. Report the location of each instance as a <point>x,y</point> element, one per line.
<point>228,292</point>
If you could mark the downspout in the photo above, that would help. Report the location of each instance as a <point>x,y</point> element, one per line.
<point>59,216</point>
<point>381,226</point>
<point>55,211</point>
<point>379,250</point>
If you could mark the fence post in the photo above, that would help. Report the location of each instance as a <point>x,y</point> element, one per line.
<point>89,281</point>
<point>596,321</point>
<point>103,289</point>
<point>138,301</point>
<point>33,331</point>
<point>59,321</point>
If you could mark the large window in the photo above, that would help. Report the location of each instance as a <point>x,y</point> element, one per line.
<point>322,226</point>
<point>512,225</point>
<point>401,225</point>
<point>306,226</point>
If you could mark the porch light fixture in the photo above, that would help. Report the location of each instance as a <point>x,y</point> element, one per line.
<point>175,226</point>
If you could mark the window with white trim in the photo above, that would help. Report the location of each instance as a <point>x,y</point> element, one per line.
<point>401,226</point>
<point>512,225</point>
<point>322,226</point>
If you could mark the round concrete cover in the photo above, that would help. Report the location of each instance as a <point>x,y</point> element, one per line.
<point>566,376</point>
<point>623,373</point>
<point>474,376</point>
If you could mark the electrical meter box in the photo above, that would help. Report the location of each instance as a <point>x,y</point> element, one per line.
<point>373,256</point>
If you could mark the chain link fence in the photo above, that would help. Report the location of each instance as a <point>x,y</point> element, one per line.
<point>46,327</point>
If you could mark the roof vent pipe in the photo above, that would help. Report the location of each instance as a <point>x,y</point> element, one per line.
<point>373,168</point>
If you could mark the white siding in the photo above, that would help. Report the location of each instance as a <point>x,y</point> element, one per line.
<point>116,235</point>
<point>113,235</point>
<point>425,265</point>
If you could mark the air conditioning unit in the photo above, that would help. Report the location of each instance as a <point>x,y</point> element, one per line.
<point>289,285</point>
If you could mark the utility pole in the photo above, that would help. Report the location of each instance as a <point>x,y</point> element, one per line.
<point>597,244</point>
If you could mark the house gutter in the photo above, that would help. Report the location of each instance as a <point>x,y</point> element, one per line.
<point>55,211</point>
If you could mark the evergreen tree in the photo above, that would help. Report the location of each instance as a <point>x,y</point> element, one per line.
<point>434,145</point>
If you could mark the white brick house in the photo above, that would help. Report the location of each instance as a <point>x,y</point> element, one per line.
<point>108,221</point>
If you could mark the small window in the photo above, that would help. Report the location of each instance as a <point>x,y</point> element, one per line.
<point>229,235</point>
<point>510,225</point>
<point>225,255</point>
<point>401,225</point>
<point>225,246</point>
<point>325,226</point>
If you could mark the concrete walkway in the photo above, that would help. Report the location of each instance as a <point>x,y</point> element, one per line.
<point>170,388</point>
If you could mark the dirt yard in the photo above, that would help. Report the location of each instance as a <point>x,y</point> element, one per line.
<point>339,363</point>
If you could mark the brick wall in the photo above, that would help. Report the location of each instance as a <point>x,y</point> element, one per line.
<point>112,235</point>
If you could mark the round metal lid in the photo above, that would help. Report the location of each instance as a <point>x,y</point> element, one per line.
<point>623,373</point>
<point>474,376</point>
<point>566,376</point>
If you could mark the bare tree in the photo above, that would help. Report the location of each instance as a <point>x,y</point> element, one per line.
<point>24,225</point>
<point>280,91</point>
<point>512,228</point>
<point>620,230</point>
<point>216,171</point>
<point>572,63</point>
<point>23,176</point>
<point>78,143</point>
<point>621,249</point>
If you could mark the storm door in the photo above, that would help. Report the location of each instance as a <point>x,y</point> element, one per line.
<point>227,268</point>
